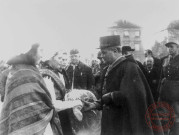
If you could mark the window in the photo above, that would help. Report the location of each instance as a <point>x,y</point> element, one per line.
<point>126,33</point>
<point>137,47</point>
<point>137,33</point>
<point>115,32</point>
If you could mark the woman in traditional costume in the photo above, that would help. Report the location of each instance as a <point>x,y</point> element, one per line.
<point>73,121</point>
<point>27,107</point>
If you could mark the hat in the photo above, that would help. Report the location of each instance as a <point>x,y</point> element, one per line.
<point>74,51</point>
<point>33,50</point>
<point>25,58</point>
<point>109,41</point>
<point>127,48</point>
<point>170,43</point>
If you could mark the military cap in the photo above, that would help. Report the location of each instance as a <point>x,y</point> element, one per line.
<point>170,43</point>
<point>33,49</point>
<point>109,41</point>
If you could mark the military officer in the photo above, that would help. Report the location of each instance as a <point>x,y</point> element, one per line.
<point>169,89</point>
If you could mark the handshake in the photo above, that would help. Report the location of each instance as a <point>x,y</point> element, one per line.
<point>106,100</point>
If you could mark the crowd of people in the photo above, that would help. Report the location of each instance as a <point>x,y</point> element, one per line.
<point>117,91</point>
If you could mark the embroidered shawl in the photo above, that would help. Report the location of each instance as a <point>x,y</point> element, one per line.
<point>27,107</point>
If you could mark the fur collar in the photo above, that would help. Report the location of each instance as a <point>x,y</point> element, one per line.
<point>114,64</point>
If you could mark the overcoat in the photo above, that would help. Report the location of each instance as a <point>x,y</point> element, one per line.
<point>81,77</point>
<point>131,99</point>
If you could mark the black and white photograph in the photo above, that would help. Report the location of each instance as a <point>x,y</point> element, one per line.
<point>89,67</point>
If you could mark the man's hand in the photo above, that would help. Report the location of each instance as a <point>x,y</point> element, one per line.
<point>107,99</point>
<point>87,106</point>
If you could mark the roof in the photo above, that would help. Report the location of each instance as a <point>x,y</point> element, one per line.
<point>125,24</point>
<point>174,25</point>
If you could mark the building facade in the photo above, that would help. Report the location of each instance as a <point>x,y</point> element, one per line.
<point>130,35</point>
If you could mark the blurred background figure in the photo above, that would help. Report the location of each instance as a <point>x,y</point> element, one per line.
<point>157,62</point>
<point>98,75</point>
<point>80,75</point>
<point>95,66</point>
<point>153,76</point>
<point>102,63</point>
<point>127,51</point>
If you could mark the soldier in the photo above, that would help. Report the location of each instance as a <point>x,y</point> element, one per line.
<point>79,74</point>
<point>169,89</point>
<point>80,77</point>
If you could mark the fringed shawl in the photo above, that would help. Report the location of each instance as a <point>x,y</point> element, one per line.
<point>3,78</point>
<point>27,107</point>
<point>60,91</point>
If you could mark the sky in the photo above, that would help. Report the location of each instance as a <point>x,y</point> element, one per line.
<point>65,24</point>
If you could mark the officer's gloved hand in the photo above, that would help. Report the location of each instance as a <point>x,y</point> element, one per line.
<point>107,98</point>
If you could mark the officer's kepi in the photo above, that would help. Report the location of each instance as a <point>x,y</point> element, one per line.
<point>171,43</point>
